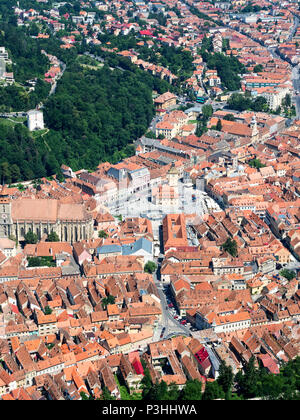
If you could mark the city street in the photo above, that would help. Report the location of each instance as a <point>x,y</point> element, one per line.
<point>168,326</point>
<point>296,86</point>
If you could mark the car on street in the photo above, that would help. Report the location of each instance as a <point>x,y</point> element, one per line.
<point>162,332</point>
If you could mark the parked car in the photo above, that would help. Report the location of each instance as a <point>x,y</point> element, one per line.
<point>162,332</point>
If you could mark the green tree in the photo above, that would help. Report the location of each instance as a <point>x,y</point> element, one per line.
<point>158,392</point>
<point>48,310</point>
<point>239,102</point>
<point>219,125</point>
<point>288,274</point>
<point>102,234</point>
<point>247,382</point>
<point>256,163</point>
<point>230,246</point>
<point>258,68</point>
<point>225,378</point>
<point>106,395</point>
<point>229,117</point>
<point>30,237</point>
<point>41,262</point>
<point>109,300</point>
<point>287,100</point>
<point>213,391</point>
<point>83,396</point>
<point>53,237</point>
<point>259,104</point>
<point>192,390</point>
<point>146,382</point>
<point>150,267</point>
<point>207,111</point>
<point>173,392</point>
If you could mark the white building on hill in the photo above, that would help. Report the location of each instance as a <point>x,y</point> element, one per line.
<point>35,120</point>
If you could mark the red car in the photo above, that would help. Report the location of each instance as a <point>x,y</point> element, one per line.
<point>183,322</point>
<point>170,305</point>
<point>175,316</point>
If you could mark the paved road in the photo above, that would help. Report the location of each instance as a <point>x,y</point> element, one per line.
<point>294,28</point>
<point>53,87</point>
<point>296,86</point>
<point>171,326</point>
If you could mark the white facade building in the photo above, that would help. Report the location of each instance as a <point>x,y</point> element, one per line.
<point>35,120</point>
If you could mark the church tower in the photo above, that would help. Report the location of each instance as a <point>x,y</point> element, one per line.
<point>5,217</point>
<point>172,176</point>
<point>254,130</point>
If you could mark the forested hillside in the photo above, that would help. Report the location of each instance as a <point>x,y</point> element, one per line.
<point>22,156</point>
<point>26,55</point>
<point>98,114</point>
<point>94,116</point>
<point>28,63</point>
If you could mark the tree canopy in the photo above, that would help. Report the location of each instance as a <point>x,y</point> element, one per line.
<point>230,246</point>
<point>240,102</point>
<point>150,267</point>
<point>118,110</point>
<point>109,300</point>
<point>228,69</point>
<point>288,274</point>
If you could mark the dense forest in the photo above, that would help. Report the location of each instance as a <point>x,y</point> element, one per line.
<point>22,156</point>
<point>15,98</point>
<point>28,63</point>
<point>94,116</point>
<point>98,114</point>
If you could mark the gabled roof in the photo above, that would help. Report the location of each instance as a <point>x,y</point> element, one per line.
<point>140,244</point>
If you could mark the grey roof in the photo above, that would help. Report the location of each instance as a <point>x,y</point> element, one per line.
<point>141,243</point>
<point>68,270</point>
<point>147,141</point>
<point>107,249</point>
<point>222,144</point>
<point>157,145</point>
<point>166,159</point>
<point>213,358</point>
<point>194,109</point>
<point>139,172</point>
<point>116,173</point>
